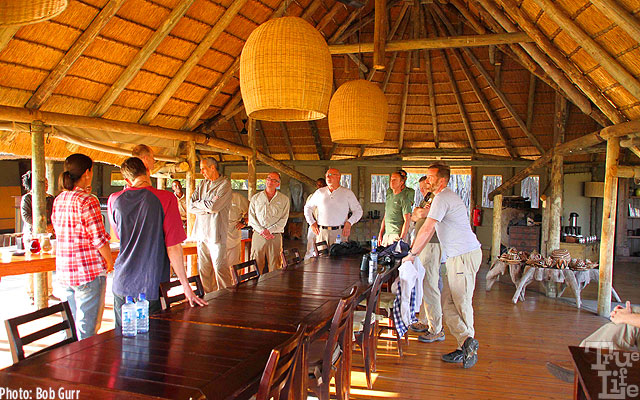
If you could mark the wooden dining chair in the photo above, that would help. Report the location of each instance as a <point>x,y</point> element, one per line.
<point>166,300</point>
<point>17,342</point>
<point>277,377</point>
<point>290,258</point>
<point>365,327</point>
<point>244,272</point>
<point>321,247</point>
<point>328,357</point>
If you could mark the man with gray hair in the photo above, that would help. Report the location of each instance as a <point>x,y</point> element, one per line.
<point>210,203</point>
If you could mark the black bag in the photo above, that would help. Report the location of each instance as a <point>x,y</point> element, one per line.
<point>395,251</point>
<point>345,248</point>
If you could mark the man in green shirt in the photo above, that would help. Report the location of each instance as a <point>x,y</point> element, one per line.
<point>397,212</point>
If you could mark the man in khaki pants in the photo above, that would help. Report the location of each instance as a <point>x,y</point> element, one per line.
<point>268,214</point>
<point>448,216</point>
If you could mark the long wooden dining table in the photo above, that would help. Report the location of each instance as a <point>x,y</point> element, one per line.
<point>214,352</point>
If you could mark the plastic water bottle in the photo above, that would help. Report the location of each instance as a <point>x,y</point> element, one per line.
<point>374,243</point>
<point>373,265</point>
<point>129,327</point>
<point>338,239</point>
<point>142,309</point>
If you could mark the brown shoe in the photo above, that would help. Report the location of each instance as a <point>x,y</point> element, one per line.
<point>431,337</point>
<point>560,372</point>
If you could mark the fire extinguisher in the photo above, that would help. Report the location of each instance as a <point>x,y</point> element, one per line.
<point>477,216</point>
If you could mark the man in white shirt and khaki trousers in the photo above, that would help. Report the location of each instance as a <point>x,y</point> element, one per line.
<point>268,215</point>
<point>333,203</point>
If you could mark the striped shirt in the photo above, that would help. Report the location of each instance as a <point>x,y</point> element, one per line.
<point>80,233</point>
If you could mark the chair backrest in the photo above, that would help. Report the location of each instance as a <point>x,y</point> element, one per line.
<point>373,304</point>
<point>280,368</point>
<point>240,275</point>
<point>166,300</point>
<point>290,258</point>
<point>17,343</point>
<point>339,333</point>
<point>321,247</point>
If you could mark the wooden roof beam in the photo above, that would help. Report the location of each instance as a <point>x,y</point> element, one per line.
<point>6,34</point>
<point>599,54</point>
<point>140,58</point>
<point>478,92</point>
<point>236,131</point>
<point>394,56</point>
<point>435,43</point>
<point>531,100</point>
<point>430,86</point>
<point>576,96</point>
<point>203,47</point>
<point>54,78</point>
<point>405,95</point>
<point>493,85</point>
<point>615,12</point>
<point>287,140</point>
<point>316,138</point>
<point>567,66</point>
<point>329,15</point>
<point>263,137</point>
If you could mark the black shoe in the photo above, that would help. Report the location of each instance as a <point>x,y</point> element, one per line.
<point>470,350</point>
<point>453,357</point>
<point>562,373</point>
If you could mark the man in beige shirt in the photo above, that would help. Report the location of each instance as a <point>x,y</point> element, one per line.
<point>268,214</point>
<point>182,200</point>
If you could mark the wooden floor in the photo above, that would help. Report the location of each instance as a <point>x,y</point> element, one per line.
<point>515,343</point>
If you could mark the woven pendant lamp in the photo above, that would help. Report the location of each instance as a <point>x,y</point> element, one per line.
<point>358,113</point>
<point>286,72</point>
<point>23,12</point>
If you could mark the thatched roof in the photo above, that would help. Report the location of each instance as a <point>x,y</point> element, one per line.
<point>173,63</point>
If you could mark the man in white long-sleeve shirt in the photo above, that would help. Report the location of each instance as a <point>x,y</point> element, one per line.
<point>268,214</point>
<point>210,203</point>
<point>334,203</point>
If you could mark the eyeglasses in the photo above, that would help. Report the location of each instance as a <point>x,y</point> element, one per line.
<point>273,180</point>
<point>328,174</point>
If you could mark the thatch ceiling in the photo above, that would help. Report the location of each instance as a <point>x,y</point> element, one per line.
<point>173,63</point>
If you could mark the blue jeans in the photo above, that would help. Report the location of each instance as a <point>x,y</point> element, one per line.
<point>87,304</point>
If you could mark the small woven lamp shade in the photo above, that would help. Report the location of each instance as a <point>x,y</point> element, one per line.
<point>286,72</point>
<point>22,12</point>
<point>358,113</point>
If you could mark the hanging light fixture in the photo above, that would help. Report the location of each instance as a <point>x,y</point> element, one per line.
<point>23,12</point>
<point>358,113</point>
<point>286,72</point>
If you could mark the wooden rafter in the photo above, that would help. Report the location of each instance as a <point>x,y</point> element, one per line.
<point>567,66</point>
<point>478,92</point>
<point>531,100</point>
<point>287,140</point>
<point>311,9</point>
<point>54,78</point>
<point>599,54</point>
<point>316,138</point>
<point>236,131</point>
<point>575,95</point>
<point>263,137</point>
<point>141,57</point>
<point>493,85</point>
<point>432,99</point>
<point>333,150</point>
<point>6,34</point>
<point>394,56</point>
<point>203,47</point>
<point>435,43</point>
<point>405,96</point>
<point>337,6</point>
<point>615,12</point>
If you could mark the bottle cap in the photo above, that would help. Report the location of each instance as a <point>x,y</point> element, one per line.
<point>129,299</point>
<point>142,296</point>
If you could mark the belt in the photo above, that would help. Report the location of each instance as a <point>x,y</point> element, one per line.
<point>331,228</point>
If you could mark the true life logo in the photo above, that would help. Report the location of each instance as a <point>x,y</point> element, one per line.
<point>613,370</point>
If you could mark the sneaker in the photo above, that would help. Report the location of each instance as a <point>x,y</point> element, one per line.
<point>560,372</point>
<point>470,350</point>
<point>419,327</point>
<point>453,357</point>
<point>431,337</point>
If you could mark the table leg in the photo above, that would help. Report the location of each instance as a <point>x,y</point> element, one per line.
<point>578,391</point>
<point>570,279</point>
<point>498,268</point>
<point>528,273</point>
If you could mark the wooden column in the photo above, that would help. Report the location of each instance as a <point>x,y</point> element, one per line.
<point>191,187</point>
<point>51,177</point>
<point>607,236</point>
<point>251,160</point>
<point>497,228</point>
<point>544,245</point>
<point>379,33</point>
<point>472,197</point>
<point>40,286</point>
<point>161,183</point>
<point>555,203</point>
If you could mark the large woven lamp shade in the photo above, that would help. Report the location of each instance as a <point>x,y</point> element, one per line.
<point>22,12</point>
<point>358,113</point>
<point>286,72</point>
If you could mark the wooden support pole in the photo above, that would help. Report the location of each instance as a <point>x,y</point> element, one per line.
<point>379,34</point>
<point>544,205</point>
<point>473,195</point>
<point>607,236</point>
<point>555,203</point>
<point>39,212</point>
<point>192,265</point>
<point>496,235</point>
<point>251,161</point>
<point>51,178</point>
<point>161,183</point>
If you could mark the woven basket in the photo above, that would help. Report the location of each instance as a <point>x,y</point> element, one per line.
<point>22,12</point>
<point>286,72</point>
<point>358,113</point>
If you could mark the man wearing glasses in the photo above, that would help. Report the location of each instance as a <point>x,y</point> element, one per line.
<point>268,214</point>
<point>334,203</point>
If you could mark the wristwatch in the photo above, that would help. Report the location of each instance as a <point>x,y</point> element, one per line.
<point>411,253</point>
